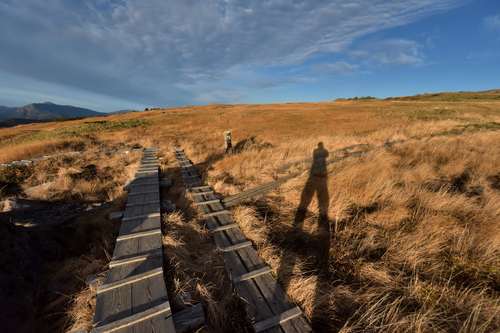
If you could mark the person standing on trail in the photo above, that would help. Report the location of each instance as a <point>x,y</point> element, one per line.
<point>228,145</point>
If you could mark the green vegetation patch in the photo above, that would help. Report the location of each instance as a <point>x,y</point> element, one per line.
<point>432,114</point>
<point>79,130</point>
<point>492,95</point>
<point>102,125</point>
<point>470,128</point>
<point>358,98</point>
<point>421,114</point>
<point>29,136</point>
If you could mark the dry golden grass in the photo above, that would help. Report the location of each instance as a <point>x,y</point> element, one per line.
<point>65,178</point>
<point>413,237</point>
<point>197,273</point>
<point>63,257</point>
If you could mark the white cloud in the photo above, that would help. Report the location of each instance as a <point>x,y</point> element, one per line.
<point>338,67</point>
<point>492,22</point>
<point>391,52</point>
<point>157,51</point>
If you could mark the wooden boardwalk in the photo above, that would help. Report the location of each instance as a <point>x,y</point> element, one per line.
<point>134,298</point>
<point>268,306</point>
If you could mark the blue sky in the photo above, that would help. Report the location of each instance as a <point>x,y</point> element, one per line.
<point>121,54</point>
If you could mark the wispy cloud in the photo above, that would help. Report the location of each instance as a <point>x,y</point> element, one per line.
<point>391,52</point>
<point>492,22</point>
<point>337,67</point>
<point>158,51</point>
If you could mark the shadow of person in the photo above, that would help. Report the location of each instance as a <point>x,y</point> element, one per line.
<point>318,246</point>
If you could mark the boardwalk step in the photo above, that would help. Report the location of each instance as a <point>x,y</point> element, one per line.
<point>277,320</point>
<point>146,172</point>
<point>224,227</point>
<point>130,301</point>
<point>203,187</point>
<point>139,258</point>
<point>252,274</point>
<point>202,193</point>
<point>144,169</point>
<point>132,279</point>
<point>146,203</point>
<point>144,216</point>
<point>208,202</point>
<point>161,309</point>
<point>155,182</point>
<point>143,192</point>
<point>265,297</point>
<point>236,246</point>
<point>139,234</point>
<point>217,213</point>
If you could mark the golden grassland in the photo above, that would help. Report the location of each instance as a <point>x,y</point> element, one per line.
<point>411,241</point>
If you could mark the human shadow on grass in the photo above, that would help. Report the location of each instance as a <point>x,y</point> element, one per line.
<point>316,246</point>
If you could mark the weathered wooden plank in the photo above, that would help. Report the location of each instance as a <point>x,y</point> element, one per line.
<point>199,187</point>
<point>141,216</point>
<point>112,306</point>
<point>135,258</point>
<point>252,274</point>
<point>122,237</point>
<point>277,320</point>
<point>125,248</point>
<point>121,272</point>
<point>134,189</point>
<point>207,202</point>
<point>140,225</point>
<point>150,202</point>
<point>129,280</point>
<point>114,326</point>
<point>143,209</point>
<point>236,246</point>
<point>258,308</point>
<point>216,213</point>
<point>131,246</point>
<point>189,319</point>
<point>134,289</point>
<point>244,264</point>
<point>149,243</point>
<point>201,193</point>
<point>134,198</point>
<point>143,191</point>
<point>224,227</point>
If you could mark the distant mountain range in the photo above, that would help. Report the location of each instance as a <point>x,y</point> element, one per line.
<point>43,112</point>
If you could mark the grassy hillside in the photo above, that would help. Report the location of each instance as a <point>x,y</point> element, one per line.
<point>45,111</point>
<point>410,240</point>
<point>454,96</point>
